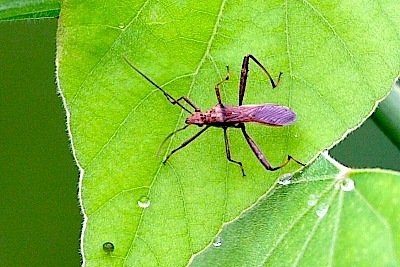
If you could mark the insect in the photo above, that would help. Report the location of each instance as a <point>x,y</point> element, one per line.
<point>225,116</point>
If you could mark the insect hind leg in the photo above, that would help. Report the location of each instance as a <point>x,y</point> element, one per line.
<point>244,74</point>
<point>289,158</point>
<point>273,83</point>
<point>260,154</point>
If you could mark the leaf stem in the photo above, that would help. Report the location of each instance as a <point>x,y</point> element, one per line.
<point>387,115</point>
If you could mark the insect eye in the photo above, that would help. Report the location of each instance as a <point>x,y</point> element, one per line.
<point>200,125</point>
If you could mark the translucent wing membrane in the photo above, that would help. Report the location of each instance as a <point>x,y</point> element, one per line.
<point>269,114</point>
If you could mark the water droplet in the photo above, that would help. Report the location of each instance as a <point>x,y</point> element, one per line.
<point>121,26</point>
<point>347,185</point>
<point>144,202</point>
<point>296,135</point>
<point>321,212</point>
<point>108,247</point>
<point>217,241</point>
<point>286,179</point>
<point>313,200</point>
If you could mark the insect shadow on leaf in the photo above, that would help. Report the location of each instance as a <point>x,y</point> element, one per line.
<point>224,116</point>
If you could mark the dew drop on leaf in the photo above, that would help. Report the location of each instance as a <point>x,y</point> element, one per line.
<point>313,200</point>
<point>347,185</point>
<point>108,247</point>
<point>144,202</point>
<point>286,179</point>
<point>217,241</point>
<point>322,211</point>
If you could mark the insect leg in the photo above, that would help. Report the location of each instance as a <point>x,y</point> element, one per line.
<point>267,72</point>
<point>221,82</point>
<point>176,102</point>
<point>187,100</point>
<point>168,137</point>
<point>295,160</point>
<point>243,78</point>
<point>186,143</point>
<point>228,152</point>
<point>244,74</point>
<point>261,156</point>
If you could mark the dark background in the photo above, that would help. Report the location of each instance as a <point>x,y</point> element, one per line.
<point>40,218</point>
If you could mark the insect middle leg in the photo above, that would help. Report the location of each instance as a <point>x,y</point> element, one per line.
<point>244,74</point>
<point>228,152</point>
<point>261,156</point>
<point>217,92</point>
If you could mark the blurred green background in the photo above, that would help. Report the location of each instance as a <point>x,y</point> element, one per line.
<point>40,215</point>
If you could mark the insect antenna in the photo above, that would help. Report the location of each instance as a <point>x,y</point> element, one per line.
<point>168,96</point>
<point>168,137</point>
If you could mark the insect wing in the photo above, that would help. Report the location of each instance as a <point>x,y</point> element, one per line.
<point>269,114</point>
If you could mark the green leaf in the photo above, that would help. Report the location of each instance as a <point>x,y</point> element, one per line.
<point>328,215</point>
<point>28,9</point>
<point>338,59</point>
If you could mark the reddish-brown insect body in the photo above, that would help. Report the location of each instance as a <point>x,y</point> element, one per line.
<point>233,116</point>
<point>220,115</point>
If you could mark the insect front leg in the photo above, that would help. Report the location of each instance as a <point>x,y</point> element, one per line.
<point>261,156</point>
<point>217,92</point>
<point>186,143</point>
<point>177,102</point>
<point>187,100</point>
<point>228,152</point>
<point>244,74</point>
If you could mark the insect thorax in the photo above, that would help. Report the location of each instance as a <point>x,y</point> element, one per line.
<point>214,116</point>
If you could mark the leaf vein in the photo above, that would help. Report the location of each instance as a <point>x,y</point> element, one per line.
<point>184,208</point>
<point>292,225</point>
<point>336,229</point>
<point>106,52</point>
<point>313,231</point>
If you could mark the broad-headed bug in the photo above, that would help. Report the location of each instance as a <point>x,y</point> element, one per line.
<point>224,116</point>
